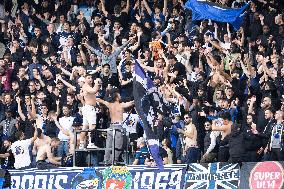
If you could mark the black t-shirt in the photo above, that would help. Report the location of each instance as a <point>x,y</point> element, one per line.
<point>51,129</point>
<point>112,80</point>
<point>128,88</point>
<point>7,163</point>
<point>122,19</point>
<point>162,152</point>
<point>180,68</point>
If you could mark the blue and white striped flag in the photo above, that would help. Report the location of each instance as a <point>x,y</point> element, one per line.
<point>147,103</point>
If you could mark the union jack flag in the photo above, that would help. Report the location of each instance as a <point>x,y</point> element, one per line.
<point>213,176</point>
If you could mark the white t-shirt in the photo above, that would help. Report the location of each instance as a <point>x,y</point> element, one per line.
<point>21,152</point>
<point>66,123</point>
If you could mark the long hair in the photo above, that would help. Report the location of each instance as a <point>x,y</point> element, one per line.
<point>112,95</point>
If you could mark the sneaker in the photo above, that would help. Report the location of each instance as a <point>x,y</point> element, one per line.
<point>92,145</point>
<point>82,146</point>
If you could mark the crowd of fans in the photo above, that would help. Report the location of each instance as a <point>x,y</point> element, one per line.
<point>225,86</point>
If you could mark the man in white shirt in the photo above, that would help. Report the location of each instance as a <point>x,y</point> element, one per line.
<point>66,123</point>
<point>21,150</point>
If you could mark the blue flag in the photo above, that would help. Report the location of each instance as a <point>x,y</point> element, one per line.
<point>204,10</point>
<point>148,101</point>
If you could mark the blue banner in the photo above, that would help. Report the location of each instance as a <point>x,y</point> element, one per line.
<point>118,177</point>
<point>202,10</point>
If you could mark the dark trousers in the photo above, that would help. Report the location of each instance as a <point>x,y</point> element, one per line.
<point>223,154</point>
<point>45,165</point>
<point>251,156</point>
<point>191,156</point>
<point>276,154</point>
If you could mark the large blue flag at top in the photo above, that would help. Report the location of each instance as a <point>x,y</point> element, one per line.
<point>204,10</point>
<point>148,101</point>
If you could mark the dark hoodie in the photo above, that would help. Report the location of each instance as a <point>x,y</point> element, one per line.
<point>236,148</point>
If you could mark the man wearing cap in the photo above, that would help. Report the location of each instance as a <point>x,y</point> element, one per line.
<point>116,109</point>
<point>142,152</point>
<point>89,113</point>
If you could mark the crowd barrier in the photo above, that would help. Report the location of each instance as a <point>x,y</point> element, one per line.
<point>260,175</point>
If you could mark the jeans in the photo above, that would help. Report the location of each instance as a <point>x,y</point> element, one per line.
<point>191,156</point>
<point>63,149</point>
<point>94,159</point>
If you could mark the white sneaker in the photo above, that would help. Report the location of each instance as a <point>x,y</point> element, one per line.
<point>92,145</point>
<point>82,146</point>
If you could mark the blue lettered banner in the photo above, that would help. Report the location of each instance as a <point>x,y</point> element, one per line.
<point>171,177</point>
<point>212,176</point>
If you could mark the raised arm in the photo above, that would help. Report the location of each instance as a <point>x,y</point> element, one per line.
<point>229,32</point>
<point>35,135</point>
<point>73,88</point>
<point>126,9</point>
<point>89,47</point>
<point>165,7</point>
<point>127,104</point>
<point>103,102</point>
<point>22,116</point>
<point>104,8</point>
<point>33,110</point>
<point>148,68</point>
<point>147,7</point>
<point>83,55</point>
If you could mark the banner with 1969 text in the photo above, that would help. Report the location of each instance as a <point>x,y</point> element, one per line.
<point>118,177</point>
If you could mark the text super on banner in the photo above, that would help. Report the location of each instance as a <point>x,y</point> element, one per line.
<point>172,177</point>
<point>262,175</point>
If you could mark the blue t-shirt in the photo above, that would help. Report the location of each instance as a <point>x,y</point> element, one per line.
<point>141,155</point>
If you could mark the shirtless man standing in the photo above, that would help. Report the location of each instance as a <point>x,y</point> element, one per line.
<point>45,152</point>
<point>191,150</point>
<point>116,109</point>
<point>88,110</point>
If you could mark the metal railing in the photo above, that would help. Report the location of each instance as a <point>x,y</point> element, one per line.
<point>113,149</point>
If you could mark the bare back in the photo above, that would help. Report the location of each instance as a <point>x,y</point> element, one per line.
<point>116,112</point>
